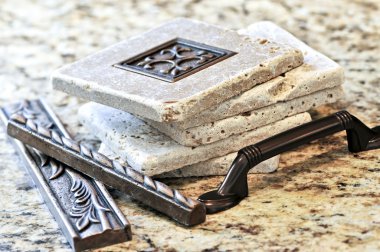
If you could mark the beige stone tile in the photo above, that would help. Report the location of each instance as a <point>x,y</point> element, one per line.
<point>211,167</point>
<point>316,73</point>
<point>95,78</point>
<point>218,130</point>
<point>151,152</point>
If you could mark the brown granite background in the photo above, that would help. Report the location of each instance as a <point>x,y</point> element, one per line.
<point>322,197</point>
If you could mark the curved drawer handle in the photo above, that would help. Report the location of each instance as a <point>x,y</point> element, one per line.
<point>234,187</point>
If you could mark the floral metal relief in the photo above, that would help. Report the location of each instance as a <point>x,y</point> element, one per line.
<point>87,206</point>
<point>175,60</point>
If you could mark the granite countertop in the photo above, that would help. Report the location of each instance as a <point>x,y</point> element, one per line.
<point>321,198</point>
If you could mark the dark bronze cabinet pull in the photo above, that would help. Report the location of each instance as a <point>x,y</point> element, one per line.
<point>234,187</point>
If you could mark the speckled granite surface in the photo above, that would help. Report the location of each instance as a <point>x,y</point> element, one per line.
<point>322,197</point>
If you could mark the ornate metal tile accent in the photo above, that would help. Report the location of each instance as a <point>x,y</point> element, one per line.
<point>49,139</point>
<point>175,59</point>
<point>83,208</point>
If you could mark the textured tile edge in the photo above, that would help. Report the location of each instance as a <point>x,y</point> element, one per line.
<point>250,120</point>
<point>213,167</point>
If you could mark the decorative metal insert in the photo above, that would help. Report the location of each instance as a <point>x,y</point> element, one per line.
<point>175,59</point>
<point>84,210</point>
<point>124,178</point>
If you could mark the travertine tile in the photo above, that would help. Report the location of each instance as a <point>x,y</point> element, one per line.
<point>316,73</point>
<point>214,166</point>
<point>218,130</point>
<point>151,152</point>
<point>95,77</point>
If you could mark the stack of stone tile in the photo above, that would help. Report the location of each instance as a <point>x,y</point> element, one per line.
<point>183,98</point>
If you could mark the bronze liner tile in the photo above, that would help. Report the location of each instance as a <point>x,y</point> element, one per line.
<point>83,208</point>
<point>155,194</point>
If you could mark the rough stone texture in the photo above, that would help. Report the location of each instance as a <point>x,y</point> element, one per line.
<point>94,77</point>
<point>151,152</point>
<point>215,131</point>
<point>214,166</point>
<point>321,198</point>
<point>316,73</point>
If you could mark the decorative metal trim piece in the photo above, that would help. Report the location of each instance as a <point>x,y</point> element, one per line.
<point>175,59</point>
<point>83,208</point>
<point>153,193</point>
